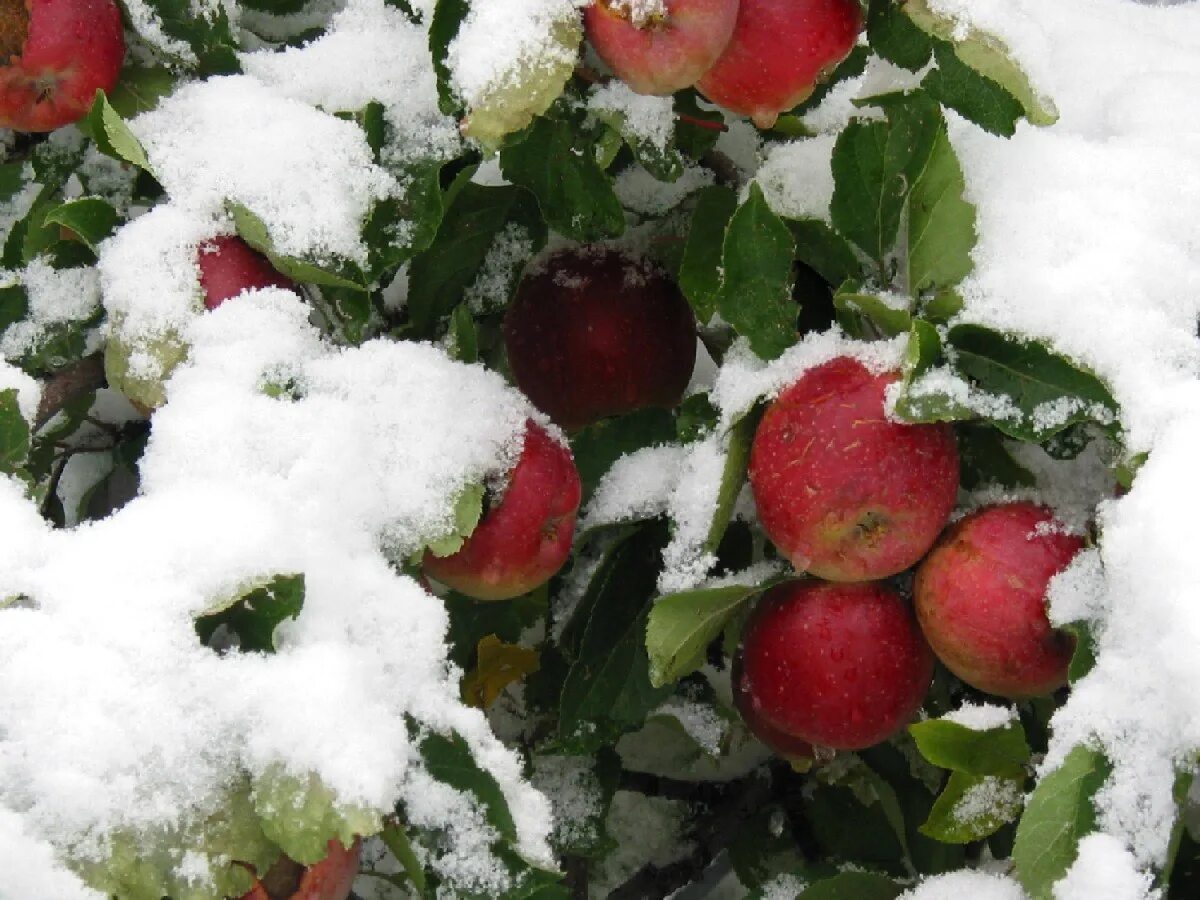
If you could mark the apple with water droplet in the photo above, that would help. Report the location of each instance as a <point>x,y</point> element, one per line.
<point>981,600</point>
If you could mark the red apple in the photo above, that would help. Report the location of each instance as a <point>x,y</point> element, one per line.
<point>779,51</point>
<point>837,665</point>
<point>228,266</point>
<point>595,333</point>
<point>842,491</point>
<point>663,52</point>
<point>526,537</point>
<point>981,600</point>
<point>781,743</point>
<point>330,879</point>
<point>57,53</point>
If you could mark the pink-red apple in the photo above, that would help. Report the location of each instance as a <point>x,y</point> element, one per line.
<point>524,538</point>
<point>842,491</point>
<point>779,51</point>
<point>793,749</point>
<point>981,600</point>
<point>229,266</point>
<point>55,55</point>
<point>329,879</point>
<point>664,50</point>
<point>594,333</point>
<point>842,666</point>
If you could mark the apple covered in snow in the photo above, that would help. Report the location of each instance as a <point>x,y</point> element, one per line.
<point>525,537</point>
<point>779,51</point>
<point>842,491</point>
<point>981,600</point>
<point>660,48</point>
<point>229,266</point>
<point>842,666</point>
<point>58,53</point>
<point>594,333</point>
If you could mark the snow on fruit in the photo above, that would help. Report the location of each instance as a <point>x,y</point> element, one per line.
<point>229,266</point>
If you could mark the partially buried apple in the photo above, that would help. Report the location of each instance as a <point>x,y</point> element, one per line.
<point>525,537</point>
<point>981,600</point>
<point>229,266</point>
<point>329,879</point>
<point>56,55</point>
<point>779,51</point>
<point>842,666</point>
<point>594,332</point>
<point>841,490</point>
<point>660,46</point>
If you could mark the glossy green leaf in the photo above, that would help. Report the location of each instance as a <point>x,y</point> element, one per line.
<point>941,224</point>
<point>90,218</point>
<point>14,433</point>
<point>112,135</point>
<point>995,751</point>
<point>700,269</point>
<point>972,807</point>
<point>973,95</point>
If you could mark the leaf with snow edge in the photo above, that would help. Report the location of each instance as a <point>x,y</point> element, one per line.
<point>941,224</point>
<point>449,760</point>
<point>209,34</point>
<point>607,690</point>
<point>943,306</point>
<point>447,18</point>
<point>254,614</point>
<point>396,840</point>
<point>14,433</point>
<point>475,215</point>
<point>664,163</point>
<point>148,388</point>
<point>986,460</point>
<point>112,136</point>
<point>922,352</point>
<point>971,94</point>
<point>700,268</point>
<point>853,886</point>
<point>574,194</point>
<point>988,56</point>
<point>497,666</point>
<point>462,337</point>
<point>140,88</point>
<point>994,751</point>
<point>302,815</point>
<point>468,510</point>
<point>90,219</point>
<point>756,287</point>
<point>681,626</point>
<point>253,230</point>
<point>597,446</point>
<point>733,476</point>
<point>950,823</point>
<point>852,301</point>
<point>1029,375</point>
<point>824,250</point>
<point>895,37</point>
<point>1083,657</point>
<point>1058,814</point>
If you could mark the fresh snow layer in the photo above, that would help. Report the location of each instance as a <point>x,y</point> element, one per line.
<point>982,717</point>
<point>972,885</point>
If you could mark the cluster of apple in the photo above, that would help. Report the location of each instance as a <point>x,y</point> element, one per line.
<point>852,498</point>
<point>758,58</point>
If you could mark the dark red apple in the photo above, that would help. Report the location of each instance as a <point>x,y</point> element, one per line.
<point>793,749</point>
<point>660,53</point>
<point>842,491</point>
<point>779,51</point>
<point>229,266</point>
<point>330,879</point>
<point>57,53</point>
<point>842,666</point>
<point>981,600</point>
<point>594,333</point>
<point>524,538</point>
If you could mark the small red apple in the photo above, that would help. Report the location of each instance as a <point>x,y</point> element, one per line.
<point>842,491</point>
<point>981,600</point>
<point>57,53</point>
<point>837,665</point>
<point>594,333</point>
<point>525,538</point>
<point>779,51</point>
<point>228,266</point>
<point>660,53</point>
<point>780,743</point>
<point>329,879</point>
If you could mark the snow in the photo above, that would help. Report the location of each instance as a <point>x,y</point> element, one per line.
<point>641,192</point>
<point>56,297</point>
<point>956,885</point>
<point>29,868</point>
<point>982,716</point>
<point>989,797</point>
<point>1104,870</point>
<point>645,118</point>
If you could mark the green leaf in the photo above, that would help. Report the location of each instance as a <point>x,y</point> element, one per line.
<point>681,626</point>
<point>664,163</point>
<point>112,135</point>
<point>733,476</point>
<point>607,690</point>
<point>756,290</point>
<point>976,97</point>
<point>700,270</point>
<point>254,232</point>
<point>922,353</point>
<point>823,249</point>
<point>468,510</point>
<point>395,839</point>
<point>449,760</point>
<point>941,224</point>
<point>447,18</point>
<point>853,886</point>
<point>574,194</point>
<point>140,89</point>
<point>209,34</point>
<point>986,460</point>
<point>475,216</point>
<point>996,751</point>
<point>895,36</point>
<point>14,305</point>
<point>602,443</point>
<point>90,218</point>
<point>463,337</point>
<point>255,615</point>
<point>14,433</point>
<point>885,313</point>
<point>1083,658</point>
<point>301,815</point>
<point>1057,815</point>
<point>972,807</point>
<point>1048,390</point>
